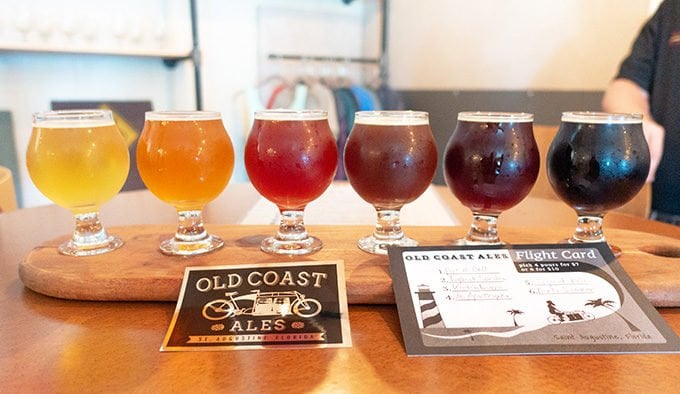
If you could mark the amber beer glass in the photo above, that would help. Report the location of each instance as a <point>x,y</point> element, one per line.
<point>291,158</point>
<point>79,160</point>
<point>186,159</point>
<point>390,159</point>
<point>491,163</point>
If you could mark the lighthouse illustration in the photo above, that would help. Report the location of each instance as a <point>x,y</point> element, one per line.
<point>429,311</point>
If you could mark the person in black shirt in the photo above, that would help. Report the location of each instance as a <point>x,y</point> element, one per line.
<point>648,82</point>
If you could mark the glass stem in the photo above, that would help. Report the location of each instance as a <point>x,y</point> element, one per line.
<point>89,231</point>
<point>388,225</point>
<point>483,229</point>
<point>190,228</point>
<point>588,229</point>
<point>292,226</point>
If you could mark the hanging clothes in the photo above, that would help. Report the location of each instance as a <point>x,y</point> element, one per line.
<point>363,97</point>
<point>347,106</point>
<point>390,99</point>
<point>275,93</point>
<point>377,104</point>
<point>281,97</point>
<point>322,97</point>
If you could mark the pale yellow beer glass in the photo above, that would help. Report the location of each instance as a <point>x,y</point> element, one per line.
<point>79,160</point>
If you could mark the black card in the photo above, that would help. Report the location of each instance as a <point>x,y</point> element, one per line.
<point>256,306</point>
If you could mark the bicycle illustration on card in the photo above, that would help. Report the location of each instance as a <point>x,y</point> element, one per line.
<point>257,303</point>
<point>558,316</point>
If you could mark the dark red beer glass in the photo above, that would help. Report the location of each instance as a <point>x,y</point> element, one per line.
<point>490,164</point>
<point>390,158</point>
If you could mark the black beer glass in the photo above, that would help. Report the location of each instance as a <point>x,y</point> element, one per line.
<point>597,162</point>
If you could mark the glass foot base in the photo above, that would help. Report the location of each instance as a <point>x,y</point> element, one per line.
<point>470,242</point>
<point>483,231</point>
<point>175,247</point>
<point>615,249</point>
<point>295,247</point>
<point>109,244</point>
<point>373,245</point>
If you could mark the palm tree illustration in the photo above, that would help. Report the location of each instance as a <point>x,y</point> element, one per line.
<point>610,305</point>
<point>514,313</point>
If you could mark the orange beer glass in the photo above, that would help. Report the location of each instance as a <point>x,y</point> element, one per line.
<point>186,159</point>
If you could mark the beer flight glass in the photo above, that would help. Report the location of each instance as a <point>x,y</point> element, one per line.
<point>291,158</point>
<point>186,159</point>
<point>597,162</point>
<point>79,160</point>
<point>390,159</point>
<point>490,164</point>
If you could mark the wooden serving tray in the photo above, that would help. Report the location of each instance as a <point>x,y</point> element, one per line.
<point>139,272</point>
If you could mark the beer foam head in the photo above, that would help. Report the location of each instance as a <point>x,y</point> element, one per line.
<point>600,117</point>
<point>73,118</point>
<point>288,114</point>
<point>392,118</point>
<point>496,117</point>
<point>176,116</point>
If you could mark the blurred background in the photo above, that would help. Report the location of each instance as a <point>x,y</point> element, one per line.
<point>440,56</point>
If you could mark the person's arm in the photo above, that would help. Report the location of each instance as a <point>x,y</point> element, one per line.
<point>624,95</point>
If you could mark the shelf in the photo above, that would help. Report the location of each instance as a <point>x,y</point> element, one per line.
<point>31,41</point>
<point>132,52</point>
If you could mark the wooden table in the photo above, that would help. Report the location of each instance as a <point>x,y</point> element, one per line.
<point>54,345</point>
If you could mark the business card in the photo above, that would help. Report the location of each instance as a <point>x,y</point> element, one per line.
<point>258,306</point>
<point>522,299</point>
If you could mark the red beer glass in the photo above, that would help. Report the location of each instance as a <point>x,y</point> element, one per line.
<point>291,158</point>
<point>390,159</point>
<point>491,163</point>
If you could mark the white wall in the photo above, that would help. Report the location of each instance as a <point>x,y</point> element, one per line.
<point>433,44</point>
<point>510,44</point>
